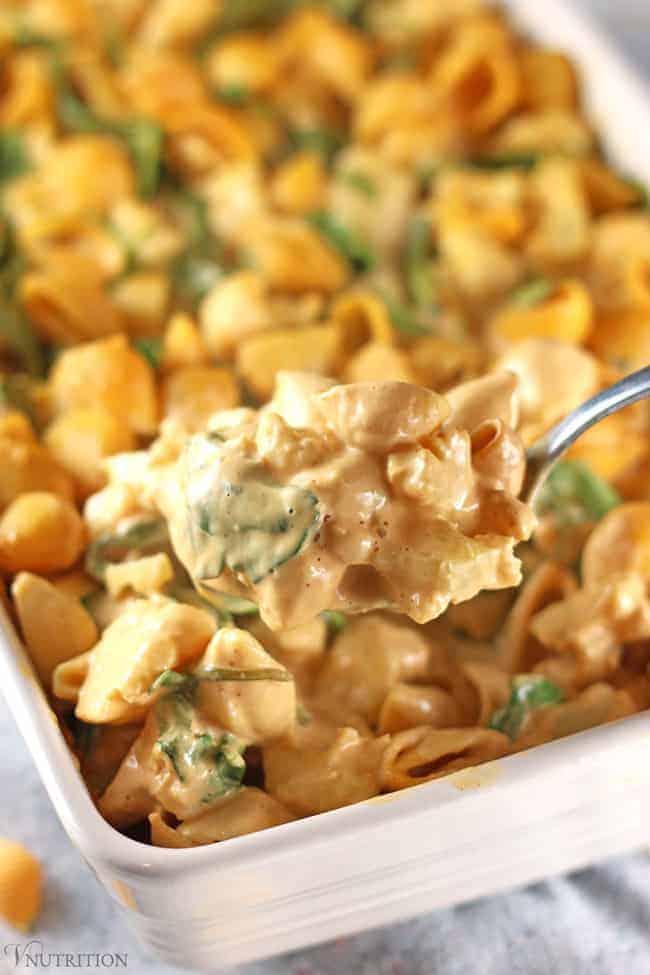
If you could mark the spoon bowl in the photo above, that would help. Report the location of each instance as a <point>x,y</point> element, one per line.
<point>543,455</point>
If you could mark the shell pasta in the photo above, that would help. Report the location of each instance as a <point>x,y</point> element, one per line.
<point>286,291</point>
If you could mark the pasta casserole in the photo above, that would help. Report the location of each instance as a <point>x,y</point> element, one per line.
<point>286,291</point>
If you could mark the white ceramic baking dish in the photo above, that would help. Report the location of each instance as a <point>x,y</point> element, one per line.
<point>476,832</point>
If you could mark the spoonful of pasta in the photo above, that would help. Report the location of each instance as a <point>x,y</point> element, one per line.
<point>366,496</point>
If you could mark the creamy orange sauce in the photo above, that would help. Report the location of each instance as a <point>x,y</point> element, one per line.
<point>383,506</point>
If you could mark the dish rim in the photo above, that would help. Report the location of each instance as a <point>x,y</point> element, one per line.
<point>101,843</point>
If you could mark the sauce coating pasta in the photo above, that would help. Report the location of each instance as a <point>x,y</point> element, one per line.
<point>377,505</point>
<point>286,290</point>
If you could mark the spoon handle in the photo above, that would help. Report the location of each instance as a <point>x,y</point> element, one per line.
<point>541,456</point>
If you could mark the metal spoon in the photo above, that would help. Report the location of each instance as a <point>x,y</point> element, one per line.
<point>543,455</point>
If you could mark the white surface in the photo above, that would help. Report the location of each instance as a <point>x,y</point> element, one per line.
<point>79,916</point>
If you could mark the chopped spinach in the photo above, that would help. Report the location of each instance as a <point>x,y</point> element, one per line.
<point>143,536</point>
<point>172,679</point>
<point>217,674</point>
<point>93,602</point>
<point>221,605</point>
<point>7,251</point>
<point>14,157</point>
<point>201,264</point>
<point>191,752</point>
<point>418,256</point>
<point>642,192</point>
<point>512,160</point>
<point>251,526</point>
<point>142,138</point>
<point>236,95</point>
<point>15,393</point>
<point>350,245</point>
<point>174,713</point>
<point>114,45</point>
<point>200,747</point>
<point>336,622</point>
<point>531,292</point>
<point>359,181</point>
<point>240,14</point>
<point>187,594</point>
<point>402,317</point>
<point>574,493</point>
<point>427,173</point>
<point>229,605</point>
<point>350,10</point>
<point>12,263</point>
<point>251,543</point>
<point>151,348</point>
<point>23,342</point>
<point>229,766</point>
<point>129,250</point>
<point>194,276</point>
<point>326,142</point>
<point>189,208</point>
<point>401,60</point>
<point>24,36</point>
<point>15,328</point>
<point>74,114</point>
<point>528,692</point>
<point>189,682</point>
<point>169,747</point>
<point>303,717</point>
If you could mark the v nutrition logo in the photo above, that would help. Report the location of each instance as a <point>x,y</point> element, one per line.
<point>34,956</point>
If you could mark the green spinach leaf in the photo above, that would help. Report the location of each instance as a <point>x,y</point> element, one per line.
<point>350,245</point>
<point>15,328</point>
<point>512,160</point>
<point>531,292</point>
<point>134,540</point>
<point>240,14</point>
<point>236,95</point>
<point>336,622</point>
<point>174,680</point>
<point>151,348</point>
<point>219,760</point>
<point>418,256</point>
<point>15,393</point>
<point>238,518</point>
<point>142,138</point>
<point>350,10</point>
<point>187,594</point>
<point>201,264</point>
<point>359,181</point>
<point>326,142</point>
<point>402,317</point>
<point>229,605</point>
<point>574,493</point>
<point>17,332</point>
<point>642,192</point>
<point>194,275</point>
<point>528,692</point>
<point>14,157</point>
<point>226,755</point>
